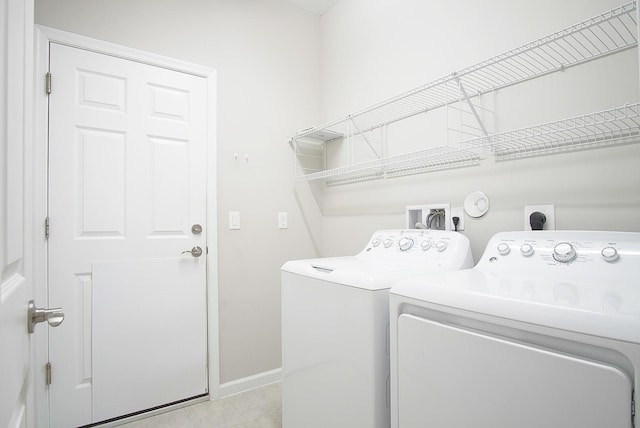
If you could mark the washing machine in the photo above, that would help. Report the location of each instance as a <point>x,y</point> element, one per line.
<point>335,320</point>
<point>543,332</point>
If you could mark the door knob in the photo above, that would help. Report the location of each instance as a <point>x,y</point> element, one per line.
<point>195,251</point>
<point>53,316</point>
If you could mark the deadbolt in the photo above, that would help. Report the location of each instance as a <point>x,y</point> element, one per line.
<point>196,229</point>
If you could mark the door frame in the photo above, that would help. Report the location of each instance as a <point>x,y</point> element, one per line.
<point>44,36</point>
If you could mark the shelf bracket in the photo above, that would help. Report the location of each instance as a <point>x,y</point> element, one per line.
<point>364,137</point>
<point>471,107</point>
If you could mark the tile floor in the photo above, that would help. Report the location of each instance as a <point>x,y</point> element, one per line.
<point>258,408</point>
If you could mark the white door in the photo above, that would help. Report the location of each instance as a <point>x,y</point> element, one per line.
<point>16,286</point>
<point>127,170</point>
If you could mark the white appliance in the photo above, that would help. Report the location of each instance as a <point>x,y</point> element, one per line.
<point>335,319</point>
<point>543,332</point>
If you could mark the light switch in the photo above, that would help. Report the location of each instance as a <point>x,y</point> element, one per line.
<point>234,220</point>
<point>283,222</point>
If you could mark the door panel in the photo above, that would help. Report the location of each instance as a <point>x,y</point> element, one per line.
<point>140,310</point>
<point>127,180</point>
<point>101,177</point>
<point>16,286</point>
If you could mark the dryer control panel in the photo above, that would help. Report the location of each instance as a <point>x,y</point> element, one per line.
<point>577,250</point>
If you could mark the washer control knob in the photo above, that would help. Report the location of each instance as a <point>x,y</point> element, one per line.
<point>526,249</point>
<point>564,252</point>
<point>441,246</point>
<point>387,242</point>
<point>425,245</point>
<point>405,243</point>
<point>610,254</point>
<point>375,241</point>
<point>503,248</point>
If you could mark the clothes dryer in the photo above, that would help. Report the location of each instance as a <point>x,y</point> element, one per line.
<point>335,320</point>
<point>543,332</point>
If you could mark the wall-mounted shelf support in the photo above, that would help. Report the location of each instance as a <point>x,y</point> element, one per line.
<point>472,107</point>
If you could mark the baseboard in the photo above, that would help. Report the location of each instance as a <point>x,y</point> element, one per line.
<point>250,382</point>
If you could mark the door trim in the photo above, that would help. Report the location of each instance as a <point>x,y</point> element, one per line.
<point>45,36</point>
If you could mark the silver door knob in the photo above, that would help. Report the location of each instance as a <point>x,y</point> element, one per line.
<point>195,251</point>
<point>53,316</point>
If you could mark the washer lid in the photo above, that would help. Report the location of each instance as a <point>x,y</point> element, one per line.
<point>597,305</point>
<point>355,271</point>
<point>389,256</point>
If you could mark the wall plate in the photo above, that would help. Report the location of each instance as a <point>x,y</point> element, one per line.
<point>416,214</point>
<point>234,220</point>
<point>476,204</point>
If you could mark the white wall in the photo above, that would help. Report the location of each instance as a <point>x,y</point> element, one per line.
<point>375,49</point>
<point>265,54</point>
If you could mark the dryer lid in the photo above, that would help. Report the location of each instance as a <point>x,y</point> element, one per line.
<point>588,295</point>
<point>597,306</point>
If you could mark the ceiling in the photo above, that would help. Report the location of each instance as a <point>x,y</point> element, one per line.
<point>317,7</point>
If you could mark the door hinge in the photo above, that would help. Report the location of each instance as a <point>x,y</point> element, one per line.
<point>47,370</point>
<point>46,228</point>
<point>633,408</point>
<point>48,83</point>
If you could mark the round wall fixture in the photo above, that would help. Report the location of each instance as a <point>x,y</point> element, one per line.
<point>476,204</point>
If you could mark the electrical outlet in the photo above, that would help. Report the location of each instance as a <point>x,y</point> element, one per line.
<point>549,212</point>
<point>457,212</point>
<point>283,221</point>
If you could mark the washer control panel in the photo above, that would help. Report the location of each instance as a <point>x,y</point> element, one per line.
<point>405,240</point>
<point>409,245</point>
<point>562,248</point>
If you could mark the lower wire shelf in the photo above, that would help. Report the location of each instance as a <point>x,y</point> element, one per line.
<point>618,125</point>
<point>421,161</point>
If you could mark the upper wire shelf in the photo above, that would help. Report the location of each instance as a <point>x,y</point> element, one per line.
<point>608,33</point>
<point>612,126</point>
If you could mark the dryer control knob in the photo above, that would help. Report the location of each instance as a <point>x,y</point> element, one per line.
<point>405,243</point>
<point>425,245</point>
<point>610,254</point>
<point>564,252</point>
<point>375,241</point>
<point>503,248</point>
<point>441,246</point>
<point>387,242</point>
<point>526,249</point>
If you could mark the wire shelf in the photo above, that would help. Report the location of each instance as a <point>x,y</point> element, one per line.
<point>606,127</point>
<point>606,34</point>
<point>399,165</point>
